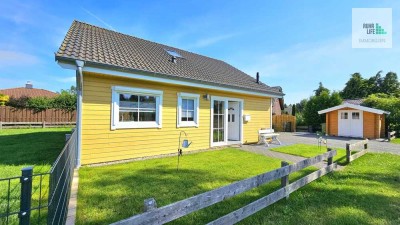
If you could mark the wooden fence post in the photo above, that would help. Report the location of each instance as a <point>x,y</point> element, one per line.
<point>330,159</point>
<point>1,125</point>
<point>366,146</point>
<point>348,152</point>
<point>44,124</point>
<point>285,179</point>
<point>150,204</point>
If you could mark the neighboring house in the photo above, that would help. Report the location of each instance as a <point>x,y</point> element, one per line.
<point>135,96</point>
<point>277,106</point>
<point>27,91</point>
<point>351,120</point>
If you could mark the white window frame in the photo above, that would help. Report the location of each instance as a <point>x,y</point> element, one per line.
<point>195,122</point>
<point>116,124</point>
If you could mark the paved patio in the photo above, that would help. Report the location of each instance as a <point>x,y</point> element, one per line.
<point>333,142</point>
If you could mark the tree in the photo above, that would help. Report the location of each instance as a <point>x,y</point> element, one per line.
<point>4,99</point>
<point>374,84</point>
<point>390,84</point>
<point>316,103</point>
<point>387,103</point>
<point>300,106</point>
<point>320,89</point>
<point>294,110</point>
<point>356,87</point>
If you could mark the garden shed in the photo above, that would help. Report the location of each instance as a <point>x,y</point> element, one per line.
<point>350,120</point>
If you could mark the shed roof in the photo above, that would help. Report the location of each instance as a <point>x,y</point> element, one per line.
<point>353,106</point>
<point>99,47</point>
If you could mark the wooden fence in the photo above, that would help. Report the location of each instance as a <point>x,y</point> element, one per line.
<point>391,135</point>
<point>10,116</point>
<point>165,214</point>
<point>282,123</point>
<point>354,147</point>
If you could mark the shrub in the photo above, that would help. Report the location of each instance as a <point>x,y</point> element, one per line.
<point>387,103</point>
<point>65,101</point>
<point>4,99</point>
<point>39,104</point>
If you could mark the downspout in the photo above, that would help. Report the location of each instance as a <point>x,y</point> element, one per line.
<point>270,113</point>
<point>79,90</point>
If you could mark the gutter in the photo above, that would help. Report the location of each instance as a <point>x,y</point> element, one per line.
<point>79,88</point>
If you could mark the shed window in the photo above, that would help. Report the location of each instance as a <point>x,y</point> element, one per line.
<point>188,110</point>
<point>355,115</point>
<point>344,115</point>
<point>135,108</point>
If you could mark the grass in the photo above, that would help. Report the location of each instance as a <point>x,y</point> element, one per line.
<point>311,151</point>
<point>395,141</point>
<point>111,193</point>
<point>27,147</point>
<point>365,192</point>
<point>30,147</point>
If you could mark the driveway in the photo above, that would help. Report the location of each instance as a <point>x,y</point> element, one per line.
<point>334,142</point>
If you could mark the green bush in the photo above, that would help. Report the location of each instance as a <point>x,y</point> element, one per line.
<point>39,104</point>
<point>65,101</point>
<point>316,103</point>
<point>387,103</point>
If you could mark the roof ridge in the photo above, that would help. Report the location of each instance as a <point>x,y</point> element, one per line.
<point>106,47</point>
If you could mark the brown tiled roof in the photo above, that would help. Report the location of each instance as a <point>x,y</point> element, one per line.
<point>28,92</point>
<point>353,101</point>
<point>100,47</point>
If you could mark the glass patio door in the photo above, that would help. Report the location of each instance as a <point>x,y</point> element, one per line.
<point>219,121</point>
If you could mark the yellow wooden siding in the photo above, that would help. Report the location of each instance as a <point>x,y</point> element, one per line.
<point>101,144</point>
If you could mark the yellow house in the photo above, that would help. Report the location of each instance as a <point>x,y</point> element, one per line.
<point>136,96</point>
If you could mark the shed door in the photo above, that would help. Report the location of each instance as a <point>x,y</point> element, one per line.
<point>350,123</point>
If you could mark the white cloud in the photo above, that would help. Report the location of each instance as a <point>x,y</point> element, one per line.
<point>99,19</point>
<point>14,58</point>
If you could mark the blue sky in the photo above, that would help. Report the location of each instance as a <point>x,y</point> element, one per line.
<point>294,44</point>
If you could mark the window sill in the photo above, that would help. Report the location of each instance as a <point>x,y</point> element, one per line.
<point>192,124</point>
<point>135,126</point>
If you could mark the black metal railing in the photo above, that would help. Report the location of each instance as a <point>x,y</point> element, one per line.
<point>40,198</point>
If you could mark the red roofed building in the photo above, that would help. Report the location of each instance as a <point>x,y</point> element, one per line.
<point>27,91</point>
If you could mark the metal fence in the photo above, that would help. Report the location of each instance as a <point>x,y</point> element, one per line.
<point>40,198</point>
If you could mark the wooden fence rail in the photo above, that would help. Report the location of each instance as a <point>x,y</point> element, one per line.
<point>181,208</point>
<point>355,146</point>
<point>391,135</point>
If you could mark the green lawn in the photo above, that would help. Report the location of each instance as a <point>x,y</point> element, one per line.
<point>23,147</point>
<point>27,147</point>
<point>111,193</point>
<point>311,151</point>
<point>395,141</point>
<point>365,192</point>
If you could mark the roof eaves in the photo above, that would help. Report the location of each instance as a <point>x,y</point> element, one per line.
<point>71,60</point>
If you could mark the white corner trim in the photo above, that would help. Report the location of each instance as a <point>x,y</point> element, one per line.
<point>169,81</point>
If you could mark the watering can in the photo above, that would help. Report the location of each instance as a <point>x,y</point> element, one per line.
<point>186,143</point>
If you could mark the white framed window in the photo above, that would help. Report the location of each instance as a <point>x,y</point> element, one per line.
<point>188,110</point>
<point>344,115</point>
<point>355,115</point>
<point>136,108</point>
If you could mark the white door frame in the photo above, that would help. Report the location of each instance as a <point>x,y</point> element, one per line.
<point>226,100</point>
<point>348,129</point>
